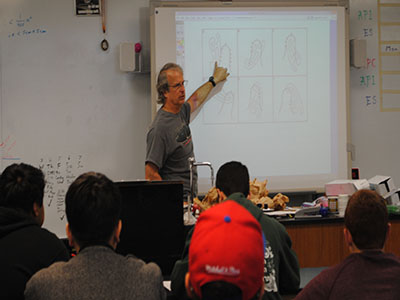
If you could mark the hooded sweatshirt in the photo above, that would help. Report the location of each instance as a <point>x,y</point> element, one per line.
<point>25,248</point>
<point>282,271</point>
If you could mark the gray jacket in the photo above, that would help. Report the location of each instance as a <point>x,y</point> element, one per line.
<point>97,272</point>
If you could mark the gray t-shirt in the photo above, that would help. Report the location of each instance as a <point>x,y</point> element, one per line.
<point>169,146</point>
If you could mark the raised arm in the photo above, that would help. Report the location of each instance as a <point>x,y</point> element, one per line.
<point>200,95</point>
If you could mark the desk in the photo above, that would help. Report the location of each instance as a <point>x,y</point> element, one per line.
<point>320,242</point>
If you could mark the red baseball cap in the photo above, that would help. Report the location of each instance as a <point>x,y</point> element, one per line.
<point>227,245</point>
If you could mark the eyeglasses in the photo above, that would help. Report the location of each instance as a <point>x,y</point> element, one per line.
<point>179,85</point>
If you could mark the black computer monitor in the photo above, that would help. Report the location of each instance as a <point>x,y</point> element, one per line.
<point>152,221</point>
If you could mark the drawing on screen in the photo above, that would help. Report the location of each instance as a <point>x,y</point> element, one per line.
<point>256,100</point>
<point>291,106</point>
<point>250,52</point>
<point>256,52</point>
<point>227,100</point>
<point>291,52</point>
<point>220,52</point>
<point>222,107</point>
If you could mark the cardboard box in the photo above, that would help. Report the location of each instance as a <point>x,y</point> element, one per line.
<point>382,184</point>
<point>345,186</point>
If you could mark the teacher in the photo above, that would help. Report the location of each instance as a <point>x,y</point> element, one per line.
<point>169,141</point>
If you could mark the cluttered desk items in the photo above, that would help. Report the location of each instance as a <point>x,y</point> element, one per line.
<point>308,212</point>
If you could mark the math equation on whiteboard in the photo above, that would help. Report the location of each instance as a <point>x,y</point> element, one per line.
<point>59,172</point>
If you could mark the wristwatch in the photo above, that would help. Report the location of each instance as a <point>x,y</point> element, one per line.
<point>211,79</point>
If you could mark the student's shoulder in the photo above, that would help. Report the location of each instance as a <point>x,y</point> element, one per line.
<point>143,268</point>
<point>41,239</point>
<point>44,281</point>
<point>271,221</point>
<point>46,234</point>
<point>53,273</point>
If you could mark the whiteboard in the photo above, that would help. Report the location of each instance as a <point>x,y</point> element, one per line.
<point>282,111</point>
<point>375,115</point>
<point>65,105</point>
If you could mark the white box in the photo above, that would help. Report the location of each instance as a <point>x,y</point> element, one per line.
<point>127,61</point>
<point>358,53</point>
<point>345,186</point>
<point>382,184</point>
<point>393,197</point>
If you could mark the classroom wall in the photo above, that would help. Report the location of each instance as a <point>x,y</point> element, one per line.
<point>65,105</point>
<point>375,119</point>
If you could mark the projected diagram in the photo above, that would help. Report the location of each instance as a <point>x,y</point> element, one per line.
<point>255,100</point>
<point>256,49</point>
<point>223,107</point>
<point>290,48</point>
<point>291,52</point>
<point>290,105</point>
<point>268,74</point>
<point>218,46</point>
<point>255,105</point>
<point>226,99</point>
<point>254,52</point>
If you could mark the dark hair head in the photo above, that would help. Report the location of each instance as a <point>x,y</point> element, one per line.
<point>162,81</point>
<point>233,177</point>
<point>93,207</point>
<point>221,290</point>
<point>21,185</point>
<point>366,217</point>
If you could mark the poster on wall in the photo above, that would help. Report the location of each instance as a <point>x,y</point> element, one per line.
<point>87,7</point>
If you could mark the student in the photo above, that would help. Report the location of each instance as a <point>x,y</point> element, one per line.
<point>169,141</point>
<point>25,247</point>
<point>93,207</point>
<point>368,272</point>
<point>281,265</point>
<point>226,255</point>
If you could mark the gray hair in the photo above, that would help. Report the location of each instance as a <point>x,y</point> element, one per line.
<point>162,81</point>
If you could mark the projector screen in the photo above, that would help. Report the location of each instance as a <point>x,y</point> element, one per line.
<point>282,110</point>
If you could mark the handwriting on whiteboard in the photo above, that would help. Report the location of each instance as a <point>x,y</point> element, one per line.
<point>59,173</point>
<point>370,100</point>
<point>7,146</point>
<point>368,78</point>
<point>20,22</point>
<point>22,27</point>
<point>364,14</point>
<point>390,48</point>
